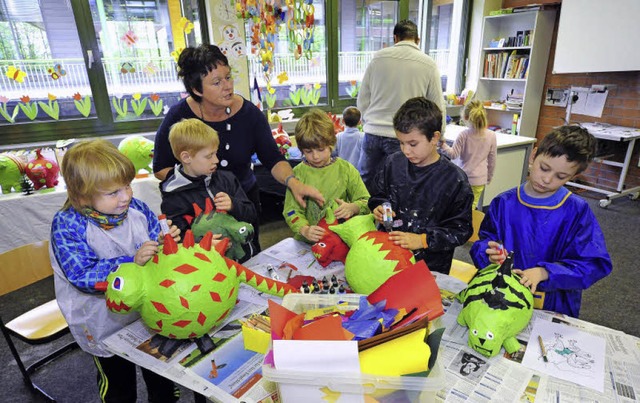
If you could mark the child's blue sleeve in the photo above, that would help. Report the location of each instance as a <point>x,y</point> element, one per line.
<point>80,264</point>
<point>488,232</point>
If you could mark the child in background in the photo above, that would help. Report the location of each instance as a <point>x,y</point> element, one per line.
<point>430,196</point>
<point>334,177</point>
<point>196,178</point>
<point>99,227</point>
<point>476,147</point>
<point>349,142</point>
<point>557,242</point>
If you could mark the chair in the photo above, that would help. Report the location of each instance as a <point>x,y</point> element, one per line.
<point>19,268</point>
<point>462,270</point>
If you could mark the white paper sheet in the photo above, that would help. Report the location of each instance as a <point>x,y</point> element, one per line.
<point>573,355</point>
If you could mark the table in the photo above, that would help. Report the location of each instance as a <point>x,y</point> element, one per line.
<point>603,131</point>
<point>27,219</point>
<point>511,163</point>
<point>500,379</point>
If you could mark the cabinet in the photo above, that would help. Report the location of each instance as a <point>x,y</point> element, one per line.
<point>513,65</point>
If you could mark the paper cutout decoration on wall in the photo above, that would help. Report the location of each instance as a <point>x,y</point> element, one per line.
<point>28,108</point>
<point>130,38</point>
<point>51,108</point>
<point>14,73</point>
<point>496,307</point>
<point>127,67</point>
<point>57,71</point>
<point>184,290</point>
<point>83,105</point>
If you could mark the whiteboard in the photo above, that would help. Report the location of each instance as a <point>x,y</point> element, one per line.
<point>598,35</point>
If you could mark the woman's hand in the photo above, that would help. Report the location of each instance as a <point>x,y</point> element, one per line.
<point>532,277</point>
<point>145,252</point>
<point>300,191</point>
<point>407,240</point>
<point>312,232</point>
<point>346,210</point>
<point>222,202</point>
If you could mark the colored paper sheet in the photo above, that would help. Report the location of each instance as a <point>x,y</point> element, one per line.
<point>413,289</point>
<point>280,316</point>
<point>328,328</point>
<point>407,354</point>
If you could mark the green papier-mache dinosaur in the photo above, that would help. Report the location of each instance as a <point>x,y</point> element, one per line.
<point>240,233</point>
<point>496,307</point>
<point>185,290</point>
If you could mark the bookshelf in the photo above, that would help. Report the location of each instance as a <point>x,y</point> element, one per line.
<point>513,65</point>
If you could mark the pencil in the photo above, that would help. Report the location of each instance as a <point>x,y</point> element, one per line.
<point>543,349</point>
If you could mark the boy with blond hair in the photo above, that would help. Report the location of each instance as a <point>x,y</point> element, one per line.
<point>100,226</point>
<point>197,178</point>
<point>335,178</point>
<point>558,246</point>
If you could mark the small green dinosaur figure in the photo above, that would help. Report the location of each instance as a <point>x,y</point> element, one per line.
<point>240,233</point>
<point>496,307</point>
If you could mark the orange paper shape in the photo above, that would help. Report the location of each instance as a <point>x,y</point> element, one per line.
<point>327,328</point>
<point>280,318</point>
<point>413,289</point>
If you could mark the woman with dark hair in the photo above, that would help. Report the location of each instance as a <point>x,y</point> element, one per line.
<point>241,126</point>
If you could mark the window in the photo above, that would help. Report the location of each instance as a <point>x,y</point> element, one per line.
<point>90,67</point>
<point>297,65</point>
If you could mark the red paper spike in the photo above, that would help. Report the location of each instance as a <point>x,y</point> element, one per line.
<point>188,219</point>
<point>170,246</point>
<point>208,206</point>
<point>101,286</point>
<point>188,240</point>
<point>222,246</point>
<point>205,242</point>
<point>196,210</point>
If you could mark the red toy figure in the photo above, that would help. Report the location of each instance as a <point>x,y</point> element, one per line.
<point>282,140</point>
<point>42,171</point>
<point>330,247</point>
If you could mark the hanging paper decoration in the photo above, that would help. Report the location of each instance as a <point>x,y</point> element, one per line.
<point>130,38</point>
<point>256,97</point>
<point>267,18</point>
<point>176,54</point>
<point>15,74</point>
<point>186,24</point>
<point>283,77</point>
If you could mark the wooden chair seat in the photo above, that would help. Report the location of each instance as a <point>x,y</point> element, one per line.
<point>462,270</point>
<point>39,324</point>
<point>19,268</point>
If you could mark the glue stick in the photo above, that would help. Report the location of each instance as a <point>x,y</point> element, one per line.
<point>387,216</point>
<point>163,224</point>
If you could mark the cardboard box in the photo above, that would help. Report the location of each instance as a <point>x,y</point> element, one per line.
<point>353,387</point>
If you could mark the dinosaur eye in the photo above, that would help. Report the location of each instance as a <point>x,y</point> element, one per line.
<point>322,245</point>
<point>474,332</point>
<point>242,230</point>
<point>489,335</point>
<point>117,283</point>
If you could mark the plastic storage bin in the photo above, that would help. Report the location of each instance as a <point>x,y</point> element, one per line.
<point>381,388</point>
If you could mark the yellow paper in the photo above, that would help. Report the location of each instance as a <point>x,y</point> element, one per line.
<point>405,355</point>
<point>256,339</point>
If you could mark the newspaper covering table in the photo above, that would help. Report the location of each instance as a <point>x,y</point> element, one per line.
<point>501,378</point>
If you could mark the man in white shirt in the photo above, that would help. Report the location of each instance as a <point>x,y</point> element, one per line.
<point>395,75</point>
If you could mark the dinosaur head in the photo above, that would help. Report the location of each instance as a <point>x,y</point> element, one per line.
<point>487,332</point>
<point>125,289</point>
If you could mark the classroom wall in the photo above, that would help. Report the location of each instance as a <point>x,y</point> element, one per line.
<point>622,108</point>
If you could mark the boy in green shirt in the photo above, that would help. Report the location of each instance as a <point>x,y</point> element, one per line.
<point>334,177</point>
